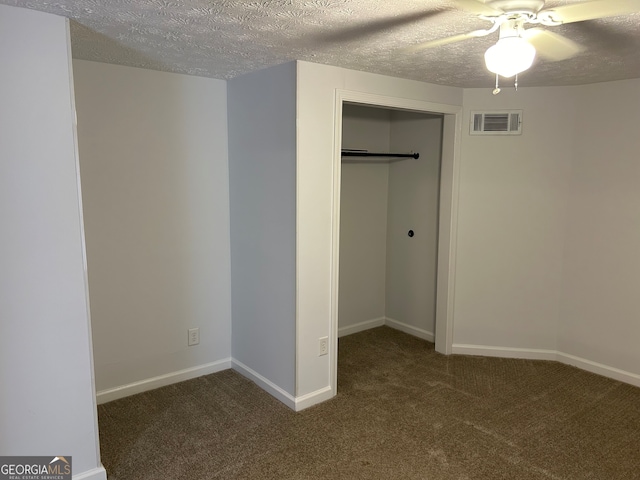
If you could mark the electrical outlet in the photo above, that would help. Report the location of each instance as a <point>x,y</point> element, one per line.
<point>323,346</point>
<point>194,337</point>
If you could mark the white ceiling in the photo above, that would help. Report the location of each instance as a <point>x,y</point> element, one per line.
<point>226,38</point>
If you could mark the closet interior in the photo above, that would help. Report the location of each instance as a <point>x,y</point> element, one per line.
<point>389,219</point>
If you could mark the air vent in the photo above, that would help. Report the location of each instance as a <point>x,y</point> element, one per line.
<point>506,122</point>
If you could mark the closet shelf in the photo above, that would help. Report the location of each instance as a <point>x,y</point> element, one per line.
<point>367,154</point>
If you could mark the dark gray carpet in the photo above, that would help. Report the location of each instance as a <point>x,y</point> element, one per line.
<point>403,411</point>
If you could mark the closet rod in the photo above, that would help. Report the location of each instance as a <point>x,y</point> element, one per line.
<point>361,153</point>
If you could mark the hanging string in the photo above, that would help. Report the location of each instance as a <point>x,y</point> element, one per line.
<point>497,89</point>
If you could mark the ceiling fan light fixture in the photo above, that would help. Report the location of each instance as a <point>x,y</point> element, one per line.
<point>510,56</point>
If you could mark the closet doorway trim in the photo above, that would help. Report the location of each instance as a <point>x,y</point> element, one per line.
<point>448,211</point>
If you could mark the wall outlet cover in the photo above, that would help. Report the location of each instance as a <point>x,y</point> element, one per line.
<point>194,337</point>
<point>323,346</point>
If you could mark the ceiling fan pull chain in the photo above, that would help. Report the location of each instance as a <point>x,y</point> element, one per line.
<point>497,89</point>
<point>516,84</point>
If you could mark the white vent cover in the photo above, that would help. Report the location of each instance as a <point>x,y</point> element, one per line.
<point>504,122</point>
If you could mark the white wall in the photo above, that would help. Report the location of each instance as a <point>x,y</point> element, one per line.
<point>520,199</point>
<point>600,301</point>
<point>363,218</point>
<point>518,288</point>
<point>317,86</point>
<point>48,396</point>
<point>413,205</point>
<point>511,223</point>
<point>262,165</point>
<point>153,157</point>
<point>547,230</point>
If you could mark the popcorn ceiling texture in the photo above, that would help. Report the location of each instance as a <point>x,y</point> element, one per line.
<point>226,38</point>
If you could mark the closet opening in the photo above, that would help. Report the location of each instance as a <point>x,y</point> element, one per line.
<point>392,201</point>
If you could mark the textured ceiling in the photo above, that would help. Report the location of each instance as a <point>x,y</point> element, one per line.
<point>226,38</point>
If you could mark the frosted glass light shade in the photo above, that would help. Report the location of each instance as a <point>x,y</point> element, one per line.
<point>510,56</point>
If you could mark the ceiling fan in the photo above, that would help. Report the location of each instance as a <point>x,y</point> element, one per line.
<point>516,47</point>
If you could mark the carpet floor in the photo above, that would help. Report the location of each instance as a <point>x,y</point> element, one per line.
<point>402,411</point>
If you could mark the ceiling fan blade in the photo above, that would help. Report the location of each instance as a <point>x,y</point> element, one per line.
<point>578,12</point>
<point>445,41</point>
<point>552,46</point>
<point>478,8</point>
<point>364,29</point>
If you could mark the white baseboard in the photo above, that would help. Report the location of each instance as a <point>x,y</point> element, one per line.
<point>264,383</point>
<point>538,354</point>
<point>600,369</point>
<point>410,329</point>
<point>360,327</point>
<point>313,398</point>
<point>504,352</point>
<point>110,394</point>
<point>295,403</point>
<point>390,322</point>
<point>94,474</point>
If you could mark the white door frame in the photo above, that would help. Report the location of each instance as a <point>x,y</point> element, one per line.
<point>448,212</point>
